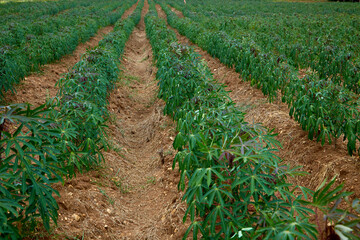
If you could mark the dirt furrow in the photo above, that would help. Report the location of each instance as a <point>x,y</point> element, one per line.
<point>40,86</point>
<point>134,195</point>
<point>319,161</point>
<point>177,12</point>
<point>129,11</point>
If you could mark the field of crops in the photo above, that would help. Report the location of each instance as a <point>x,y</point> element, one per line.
<point>272,50</point>
<point>103,131</point>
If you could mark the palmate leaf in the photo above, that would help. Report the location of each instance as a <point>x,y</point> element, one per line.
<point>299,209</point>
<point>290,235</point>
<point>179,141</point>
<point>194,191</point>
<point>190,210</point>
<point>323,195</point>
<point>221,216</point>
<point>240,181</point>
<point>268,232</point>
<point>9,205</point>
<point>17,112</point>
<point>196,228</point>
<point>45,204</point>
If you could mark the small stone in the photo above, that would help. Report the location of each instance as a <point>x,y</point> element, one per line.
<point>106,226</point>
<point>108,210</point>
<point>76,217</point>
<point>171,138</point>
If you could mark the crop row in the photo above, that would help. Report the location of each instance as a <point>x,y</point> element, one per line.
<point>15,12</point>
<point>326,43</point>
<point>40,146</point>
<point>235,186</point>
<point>15,34</point>
<point>245,8</point>
<point>324,108</point>
<point>28,52</point>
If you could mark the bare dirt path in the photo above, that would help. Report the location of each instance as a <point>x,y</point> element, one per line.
<point>129,11</point>
<point>177,12</point>
<point>38,87</point>
<point>134,195</point>
<point>319,161</point>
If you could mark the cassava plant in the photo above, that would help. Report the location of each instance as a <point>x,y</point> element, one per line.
<point>28,166</point>
<point>235,186</point>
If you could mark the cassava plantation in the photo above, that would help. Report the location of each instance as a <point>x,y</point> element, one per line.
<point>173,119</point>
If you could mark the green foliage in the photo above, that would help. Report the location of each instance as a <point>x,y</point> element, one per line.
<point>28,44</point>
<point>326,200</point>
<point>22,11</point>
<point>235,186</point>
<point>327,108</point>
<point>82,99</point>
<point>39,146</point>
<point>320,36</point>
<point>28,167</point>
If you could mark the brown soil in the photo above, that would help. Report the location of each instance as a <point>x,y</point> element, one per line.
<point>134,195</point>
<point>320,162</point>
<point>177,12</point>
<point>129,11</point>
<point>38,87</point>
